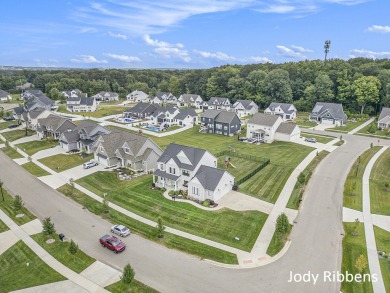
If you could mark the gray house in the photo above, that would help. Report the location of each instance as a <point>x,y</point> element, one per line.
<point>384,119</point>
<point>328,113</point>
<point>53,126</point>
<point>5,96</point>
<point>127,149</point>
<point>140,111</point>
<point>30,93</point>
<point>39,101</point>
<point>220,122</point>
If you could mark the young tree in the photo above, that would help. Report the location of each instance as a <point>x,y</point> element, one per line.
<point>361,263</point>
<point>282,224</point>
<point>48,227</point>
<point>18,203</point>
<point>366,89</point>
<point>357,222</point>
<point>71,183</point>
<point>160,227</point>
<point>73,249</point>
<point>1,189</point>
<point>128,275</point>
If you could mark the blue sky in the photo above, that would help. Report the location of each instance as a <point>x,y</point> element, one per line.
<point>189,34</point>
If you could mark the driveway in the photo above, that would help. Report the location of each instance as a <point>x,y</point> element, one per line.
<point>79,172</point>
<point>241,202</point>
<point>48,152</point>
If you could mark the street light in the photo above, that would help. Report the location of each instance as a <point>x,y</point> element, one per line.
<point>326,47</point>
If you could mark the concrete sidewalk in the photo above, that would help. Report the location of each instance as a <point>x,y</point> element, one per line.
<point>353,131</point>
<point>372,252</point>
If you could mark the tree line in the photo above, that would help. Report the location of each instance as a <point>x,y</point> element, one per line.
<point>362,85</point>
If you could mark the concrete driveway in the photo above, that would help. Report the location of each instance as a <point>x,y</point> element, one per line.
<point>48,152</point>
<point>79,172</point>
<point>241,202</point>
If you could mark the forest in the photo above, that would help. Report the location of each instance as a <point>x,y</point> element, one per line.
<point>362,85</point>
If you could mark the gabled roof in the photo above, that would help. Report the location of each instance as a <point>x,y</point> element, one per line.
<point>71,136</point>
<point>18,110</point>
<point>217,100</point>
<point>53,121</point>
<point>286,128</point>
<point>284,106</point>
<point>141,108</point>
<point>194,156</point>
<point>335,110</point>
<point>87,101</point>
<point>161,110</point>
<point>138,93</point>
<point>225,117</point>
<point>263,119</point>
<point>209,177</point>
<point>210,114</point>
<point>186,112</point>
<point>39,98</point>
<point>384,113</point>
<point>187,97</point>
<point>109,94</point>
<point>161,94</point>
<point>4,94</point>
<point>36,112</point>
<point>247,104</point>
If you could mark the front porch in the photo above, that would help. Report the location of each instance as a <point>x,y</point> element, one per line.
<point>169,181</point>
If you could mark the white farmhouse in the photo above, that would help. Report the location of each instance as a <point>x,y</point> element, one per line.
<point>285,111</point>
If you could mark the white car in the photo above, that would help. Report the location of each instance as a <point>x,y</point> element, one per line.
<point>90,164</point>
<point>120,230</point>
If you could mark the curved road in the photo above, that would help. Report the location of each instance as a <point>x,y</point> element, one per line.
<point>316,238</point>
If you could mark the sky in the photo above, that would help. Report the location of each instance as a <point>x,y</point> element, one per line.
<point>189,34</point>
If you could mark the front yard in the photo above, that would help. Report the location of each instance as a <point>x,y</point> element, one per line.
<point>11,152</point>
<point>34,169</point>
<point>136,196</point>
<point>63,162</point>
<point>101,112</point>
<point>302,120</point>
<point>33,147</point>
<point>7,208</point>
<point>5,124</point>
<point>347,127</point>
<point>319,138</point>
<point>372,130</point>
<point>380,185</point>
<point>382,238</point>
<point>16,134</point>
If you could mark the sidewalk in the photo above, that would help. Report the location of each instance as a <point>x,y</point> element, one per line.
<point>353,131</point>
<point>372,252</point>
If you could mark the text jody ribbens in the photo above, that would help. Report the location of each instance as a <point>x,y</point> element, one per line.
<point>331,276</point>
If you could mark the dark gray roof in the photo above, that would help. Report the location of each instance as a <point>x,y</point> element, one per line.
<point>55,122</point>
<point>194,155</point>
<point>210,113</point>
<point>283,106</point>
<point>160,110</point>
<point>186,112</point>
<point>335,110</point>
<point>73,99</point>
<point>286,128</point>
<point>161,94</point>
<point>245,103</point>
<point>209,177</point>
<point>165,175</point>
<point>263,119</point>
<point>384,113</point>
<point>36,112</point>
<point>87,101</point>
<point>18,110</point>
<point>4,94</point>
<point>187,97</point>
<point>71,136</point>
<point>138,93</point>
<point>225,117</point>
<point>38,98</point>
<point>141,108</point>
<point>217,100</point>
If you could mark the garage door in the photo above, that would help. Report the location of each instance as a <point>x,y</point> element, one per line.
<point>101,160</point>
<point>327,121</point>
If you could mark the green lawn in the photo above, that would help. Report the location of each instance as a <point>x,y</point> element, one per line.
<point>372,130</point>
<point>379,193</point>
<point>135,287</point>
<point>101,112</point>
<point>4,125</point>
<point>382,238</point>
<point>220,226</point>
<point>16,134</point>
<point>15,274</point>
<point>353,183</point>
<point>347,127</point>
<point>277,243</point>
<point>242,166</point>
<point>146,231</point>
<point>60,251</point>
<point>34,169</point>
<point>339,143</point>
<point>6,206</point>
<point>302,120</point>
<point>353,247</point>
<point>33,147</point>
<point>63,162</point>
<point>11,152</point>
<point>297,193</point>
<point>319,138</point>
<point>3,227</point>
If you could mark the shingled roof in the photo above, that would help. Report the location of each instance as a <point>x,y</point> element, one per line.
<point>263,119</point>
<point>209,177</point>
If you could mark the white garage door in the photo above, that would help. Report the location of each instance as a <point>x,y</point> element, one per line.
<point>101,160</point>
<point>327,121</point>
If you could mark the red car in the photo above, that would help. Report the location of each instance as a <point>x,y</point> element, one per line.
<point>112,243</point>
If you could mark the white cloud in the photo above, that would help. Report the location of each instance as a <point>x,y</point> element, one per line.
<point>280,9</point>
<point>226,58</point>
<point>168,50</point>
<point>258,59</point>
<point>293,53</point>
<point>300,49</point>
<point>118,36</point>
<point>87,30</point>
<point>87,59</point>
<point>368,54</point>
<point>379,29</point>
<point>123,58</point>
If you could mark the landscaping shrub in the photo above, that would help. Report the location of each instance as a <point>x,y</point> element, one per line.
<point>163,189</point>
<point>206,203</point>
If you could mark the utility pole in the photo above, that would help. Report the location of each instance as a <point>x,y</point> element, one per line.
<point>326,48</point>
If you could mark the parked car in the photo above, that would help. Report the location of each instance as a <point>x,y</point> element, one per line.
<point>9,118</point>
<point>112,243</point>
<point>13,125</point>
<point>310,139</point>
<point>90,164</point>
<point>120,230</point>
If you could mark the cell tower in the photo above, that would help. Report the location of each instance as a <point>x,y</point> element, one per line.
<point>326,48</point>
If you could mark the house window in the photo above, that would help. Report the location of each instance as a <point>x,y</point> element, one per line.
<point>186,172</point>
<point>225,128</point>
<point>101,149</point>
<point>127,150</point>
<point>195,190</point>
<point>172,170</point>
<point>161,166</point>
<point>218,126</point>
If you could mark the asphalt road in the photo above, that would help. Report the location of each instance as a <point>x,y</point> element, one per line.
<point>316,238</point>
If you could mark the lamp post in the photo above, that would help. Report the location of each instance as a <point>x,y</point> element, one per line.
<point>326,48</point>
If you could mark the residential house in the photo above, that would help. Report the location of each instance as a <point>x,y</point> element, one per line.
<point>140,111</point>
<point>5,96</point>
<point>24,86</point>
<point>328,113</point>
<point>76,104</point>
<point>245,108</point>
<point>164,116</point>
<point>32,117</point>
<point>30,93</point>
<point>384,119</point>
<point>267,128</point>
<point>138,96</point>
<point>127,149</point>
<point>186,117</point>
<point>217,103</point>
<point>106,96</point>
<point>220,122</point>
<point>82,137</point>
<point>17,112</point>
<point>39,101</point>
<point>53,126</point>
<point>190,100</point>
<point>284,110</point>
<point>183,166</point>
<point>164,98</point>
<point>76,93</point>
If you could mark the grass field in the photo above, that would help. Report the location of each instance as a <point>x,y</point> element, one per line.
<point>379,193</point>
<point>6,206</point>
<point>101,112</point>
<point>339,143</point>
<point>319,138</point>
<point>4,125</point>
<point>146,231</point>
<point>242,166</point>
<point>277,243</point>
<point>347,127</point>
<point>33,147</point>
<point>353,183</point>
<point>15,274</point>
<point>16,134</point>
<point>135,287</point>
<point>302,120</point>
<point>64,162</point>
<point>374,130</point>
<point>353,247</point>
<point>297,193</point>
<point>3,227</point>
<point>220,226</point>
<point>382,238</point>
<point>60,251</point>
<point>11,152</point>
<point>34,169</point>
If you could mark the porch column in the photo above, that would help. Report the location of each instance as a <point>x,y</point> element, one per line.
<point>175,185</point>
<point>154,179</point>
